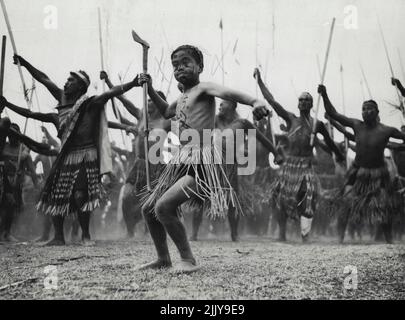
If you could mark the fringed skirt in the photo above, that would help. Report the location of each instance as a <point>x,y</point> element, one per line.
<point>79,170</point>
<point>369,196</point>
<point>296,188</point>
<point>205,165</point>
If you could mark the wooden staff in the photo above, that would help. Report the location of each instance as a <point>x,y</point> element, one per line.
<point>401,65</point>
<point>389,60</point>
<point>115,110</point>
<point>222,51</point>
<point>365,81</point>
<point>344,113</point>
<point>3,58</point>
<point>325,63</point>
<point>145,48</point>
<point>27,100</point>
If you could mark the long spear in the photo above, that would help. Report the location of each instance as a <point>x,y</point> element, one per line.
<point>117,114</point>
<point>365,81</point>
<point>222,51</point>
<point>344,111</point>
<point>400,63</point>
<point>3,57</point>
<point>325,63</point>
<point>388,58</point>
<point>27,100</point>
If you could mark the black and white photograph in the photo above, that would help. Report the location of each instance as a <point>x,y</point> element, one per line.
<point>202,154</point>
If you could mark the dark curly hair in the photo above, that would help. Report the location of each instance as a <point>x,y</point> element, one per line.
<point>194,52</point>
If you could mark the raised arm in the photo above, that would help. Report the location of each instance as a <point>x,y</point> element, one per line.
<point>397,83</point>
<point>342,129</point>
<point>331,111</point>
<point>283,113</point>
<point>40,77</point>
<point>329,142</point>
<point>136,112</point>
<point>44,117</point>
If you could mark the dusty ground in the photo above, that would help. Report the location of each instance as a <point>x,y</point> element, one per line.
<point>255,268</point>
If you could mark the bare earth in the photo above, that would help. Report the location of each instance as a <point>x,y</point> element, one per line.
<point>255,268</point>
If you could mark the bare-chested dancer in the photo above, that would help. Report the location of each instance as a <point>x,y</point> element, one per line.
<point>73,185</point>
<point>297,188</point>
<point>368,185</point>
<point>228,118</point>
<point>136,181</point>
<point>193,173</point>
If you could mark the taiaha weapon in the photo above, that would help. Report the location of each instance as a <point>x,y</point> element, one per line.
<point>27,100</point>
<point>145,48</point>
<point>365,81</point>
<point>325,63</point>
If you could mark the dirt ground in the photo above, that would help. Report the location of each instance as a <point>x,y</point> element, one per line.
<point>254,268</point>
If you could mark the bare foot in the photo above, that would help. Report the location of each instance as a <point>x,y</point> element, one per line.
<point>55,242</point>
<point>158,264</point>
<point>88,243</point>
<point>186,266</point>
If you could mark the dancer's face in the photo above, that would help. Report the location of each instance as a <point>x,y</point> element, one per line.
<point>369,113</point>
<point>225,107</point>
<point>305,102</point>
<point>72,86</point>
<point>186,69</point>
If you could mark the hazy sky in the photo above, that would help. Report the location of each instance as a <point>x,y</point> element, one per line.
<point>301,29</point>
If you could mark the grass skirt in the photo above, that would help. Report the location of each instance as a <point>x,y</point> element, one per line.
<point>205,164</point>
<point>371,197</point>
<point>296,187</point>
<point>56,198</point>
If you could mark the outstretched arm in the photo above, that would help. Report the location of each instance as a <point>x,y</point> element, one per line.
<point>396,146</point>
<point>396,134</point>
<point>329,142</point>
<point>116,91</point>
<point>129,129</point>
<point>37,147</point>
<point>331,111</point>
<point>43,117</point>
<point>40,77</point>
<point>397,83</point>
<point>136,112</point>
<point>259,107</point>
<point>283,113</point>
